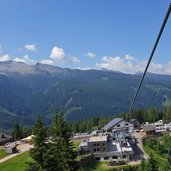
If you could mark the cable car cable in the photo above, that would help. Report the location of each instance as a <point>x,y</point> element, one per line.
<point>150,58</point>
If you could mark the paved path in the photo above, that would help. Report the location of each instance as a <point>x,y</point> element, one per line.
<point>21,147</point>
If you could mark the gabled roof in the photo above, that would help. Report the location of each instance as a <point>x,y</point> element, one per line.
<point>112,123</point>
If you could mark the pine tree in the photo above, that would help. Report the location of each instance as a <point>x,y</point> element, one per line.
<point>60,155</point>
<point>40,147</point>
<point>167,113</point>
<point>17,132</point>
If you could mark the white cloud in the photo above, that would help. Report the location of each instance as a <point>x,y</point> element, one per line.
<point>90,55</point>
<point>85,68</point>
<point>131,65</point>
<point>47,61</point>
<point>57,54</point>
<point>20,60</point>
<point>30,47</point>
<point>5,57</point>
<point>129,58</point>
<point>74,59</point>
<point>26,59</point>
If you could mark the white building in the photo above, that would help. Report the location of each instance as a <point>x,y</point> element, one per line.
<point>104,148</point>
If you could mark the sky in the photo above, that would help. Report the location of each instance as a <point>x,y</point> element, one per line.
<point>98,34</point>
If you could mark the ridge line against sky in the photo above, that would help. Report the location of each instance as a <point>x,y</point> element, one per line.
<point>115,35</point>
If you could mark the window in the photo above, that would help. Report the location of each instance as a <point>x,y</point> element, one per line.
<point>94,145</point>
<point>98,149</point>
<point>94,150</point>
<point>103,144</point>
<point>114,157</point>
<point>126,124</point>
<point>125,144</point>
<point>124,156</point>
<point>97,144</point>
<point>97,158</point>
<point>118,125</point>
<point>106,158</point>
<point>104,149</point>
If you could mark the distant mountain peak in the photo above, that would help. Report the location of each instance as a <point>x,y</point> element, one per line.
<point>12,67</point>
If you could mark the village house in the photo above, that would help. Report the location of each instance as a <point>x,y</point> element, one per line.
<point>156,127</point>
<point>4,138</point>
<point>149,129</point>
<point>117,124</point>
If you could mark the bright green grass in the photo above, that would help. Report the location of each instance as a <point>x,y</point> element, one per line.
<point>76,144</point>
<point>3,154</point>
<point>16,164</point>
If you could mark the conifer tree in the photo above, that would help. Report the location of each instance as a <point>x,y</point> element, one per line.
<point>60,155</point>
<point>17,132</point>
<point>40,147</point>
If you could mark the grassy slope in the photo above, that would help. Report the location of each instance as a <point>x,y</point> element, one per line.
<point>15,164</point>
<point>76,144</point>
<point>18,163</point>
<point>3,154</point>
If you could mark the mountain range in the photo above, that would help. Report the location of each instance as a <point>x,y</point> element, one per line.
<point>28,90</point>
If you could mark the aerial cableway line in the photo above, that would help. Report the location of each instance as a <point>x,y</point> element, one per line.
<point>150,58</point>
<point>146,68</point>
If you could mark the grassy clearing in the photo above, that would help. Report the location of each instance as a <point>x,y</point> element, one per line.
<point>76,144</point>
<point>3,154</point>
<point>16,164</point>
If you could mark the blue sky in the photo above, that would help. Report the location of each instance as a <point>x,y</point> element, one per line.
<point>111,34</point>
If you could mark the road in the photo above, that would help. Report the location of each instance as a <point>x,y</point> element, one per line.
<point>21,149</point>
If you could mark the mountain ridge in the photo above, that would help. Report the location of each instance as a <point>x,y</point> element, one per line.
<point>27,90</point>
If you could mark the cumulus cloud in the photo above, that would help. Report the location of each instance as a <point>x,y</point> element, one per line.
<point>31,47</point>
<point>26,59</point>
<point>90,55</point>
<point>57,54</point>
<point>47,61</point>
<point>131,65</point>
<point>5,57</point>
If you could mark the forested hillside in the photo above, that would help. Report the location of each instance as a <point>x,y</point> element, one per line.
<point>27,90</point>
